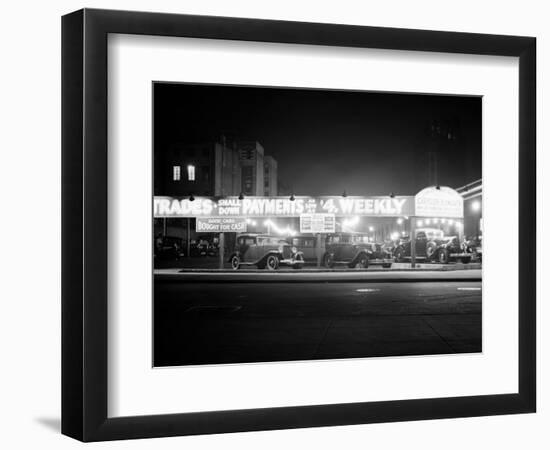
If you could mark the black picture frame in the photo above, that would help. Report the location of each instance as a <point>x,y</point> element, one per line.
<point>84,224</point>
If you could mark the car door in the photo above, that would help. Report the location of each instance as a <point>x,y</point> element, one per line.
<point>420,244</point>
<point>246,245</point>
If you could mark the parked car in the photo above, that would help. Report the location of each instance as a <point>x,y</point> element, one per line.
<point>432,246</point>
<point>354,250</point>
<point>168,247</point>
<point>308,246</point>
<point>264,252</point>
<point>476,246</point>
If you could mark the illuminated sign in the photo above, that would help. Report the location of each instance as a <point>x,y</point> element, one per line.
<point>220,225</point>
<point>442,202</point>
<point>283,206</point>
<point>317,223</point>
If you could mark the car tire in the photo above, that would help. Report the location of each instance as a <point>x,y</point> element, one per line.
<point>443,257</point>
<point>328,261</point>
<point>431,250</point>
<point>362,262</point>
<point>272,262</point>
<point>298,265</point>
<point>235,262</point>
<point>398,255</point>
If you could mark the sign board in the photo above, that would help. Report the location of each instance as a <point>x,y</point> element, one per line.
<point>442,202</point>
<point>381,206</point>
<point>317,223</point>
<point>220,225</point>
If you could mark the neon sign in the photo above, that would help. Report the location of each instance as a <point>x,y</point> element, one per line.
<point>283,206</point>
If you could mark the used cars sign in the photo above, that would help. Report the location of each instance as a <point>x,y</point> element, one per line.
<point>221,225</point>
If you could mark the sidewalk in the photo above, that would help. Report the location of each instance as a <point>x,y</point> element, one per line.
<point>242,276</point>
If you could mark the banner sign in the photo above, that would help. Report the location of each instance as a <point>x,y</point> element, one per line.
<point>317,223</point>
<point>442,202</point>
<point>283,206</point>
<point>221,225</point>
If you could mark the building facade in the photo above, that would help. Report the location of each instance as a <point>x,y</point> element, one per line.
<point>271,187</point>
<point>473,208</point>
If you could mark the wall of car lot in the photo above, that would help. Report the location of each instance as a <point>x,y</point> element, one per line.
<point>30,181</point>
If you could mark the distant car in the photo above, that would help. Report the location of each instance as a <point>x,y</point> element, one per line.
<point>432,246</point>
<point>264,252</point>
<point>205,246</point>
<point>354,250</point>
<point>169,247</point>
<point>308,246</point>
<point>476,246</point>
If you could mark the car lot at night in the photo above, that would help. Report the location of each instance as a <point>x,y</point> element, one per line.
<point>212,318</point>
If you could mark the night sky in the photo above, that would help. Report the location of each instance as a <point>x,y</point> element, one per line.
<point>326,141</point>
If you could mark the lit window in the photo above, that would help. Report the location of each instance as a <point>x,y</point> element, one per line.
<point>176,173</point>
<point>191,172</point>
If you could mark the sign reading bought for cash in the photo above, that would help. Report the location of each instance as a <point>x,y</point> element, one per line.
<point>220,225</point>
<point>283,206</point>
<point>317,223</point>
<point>439,201</point>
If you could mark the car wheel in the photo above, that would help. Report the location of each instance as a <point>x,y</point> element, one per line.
<point>328,261</point>
<point>272,262</point>
<point>362,262</point>
<point>431,248</point>
<point>235,262</point>
<point>443,257</point>
<point>398,255</point>
<point>300,264</point>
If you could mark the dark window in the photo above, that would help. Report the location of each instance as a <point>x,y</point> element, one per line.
<point>205,172</point>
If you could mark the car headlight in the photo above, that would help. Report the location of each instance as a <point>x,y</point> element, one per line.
<point>294,250</point>
<point>281,248</point>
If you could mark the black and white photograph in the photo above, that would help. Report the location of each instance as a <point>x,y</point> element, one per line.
<point>296,224</point>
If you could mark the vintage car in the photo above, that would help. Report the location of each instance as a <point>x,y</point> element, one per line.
<point>264,252</point>
<point>476,246</point>
<point>204,246</point>
<point>308,245</point>
<point>168,247</point>
<point>432,246</point>
<point>354,250</point>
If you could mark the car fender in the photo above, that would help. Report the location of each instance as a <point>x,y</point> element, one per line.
<point>263,259</point>
<point>359,254</point>
<point>233,254</point>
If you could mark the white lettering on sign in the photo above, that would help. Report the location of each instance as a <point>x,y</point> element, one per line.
<point>442,202</point>
<point>317,223</point>
<point>220,225</point>
<point>282,206</point>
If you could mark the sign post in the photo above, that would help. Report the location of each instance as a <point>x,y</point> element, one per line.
<point>222,249</point>
<point>413,242</point>
<point>318,249</point>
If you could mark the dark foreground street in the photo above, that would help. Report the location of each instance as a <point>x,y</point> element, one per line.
<point>222,322</point>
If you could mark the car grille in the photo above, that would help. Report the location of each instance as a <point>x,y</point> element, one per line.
<point>287,253</point>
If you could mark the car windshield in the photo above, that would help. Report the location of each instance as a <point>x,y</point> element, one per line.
<point>269,240</point>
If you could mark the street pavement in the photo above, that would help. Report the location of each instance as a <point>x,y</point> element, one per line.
<point>220,322</point>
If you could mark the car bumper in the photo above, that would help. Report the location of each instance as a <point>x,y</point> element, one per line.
<point>291,262</point>
<point>380,261</point>
<point>461,255</point>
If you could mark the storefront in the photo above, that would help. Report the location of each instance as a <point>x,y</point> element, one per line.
<point>377,219</point>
